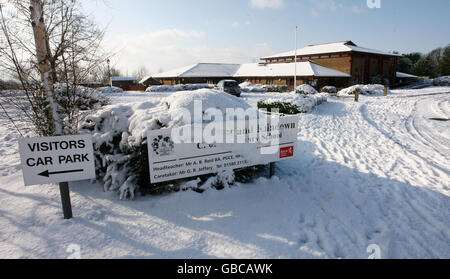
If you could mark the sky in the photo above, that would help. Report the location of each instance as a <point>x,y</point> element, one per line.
<point>161,35</point>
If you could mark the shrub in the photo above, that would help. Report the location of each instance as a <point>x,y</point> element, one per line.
<point>285,108</point>
<point>442,81</point>
<point>329,89</point>
<point>291,103</point>
<point>372,89</point>
<point>278,88</point>
<point>305,89</point>
<point>120,143</point>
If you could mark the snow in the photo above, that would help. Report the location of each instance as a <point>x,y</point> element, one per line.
<point>110,90</point>
<point>305,89</point>
<point>329,89</point>
<point>201,70</point>
<point>250,87</point>
<point>339,47</point>
<point>372,172</point>
<point>178,87</point>
<point>123,79</point>
<point>304,102</point>
<point>404,75</point>
<point>442,81</point>
<point>371,89</point>
<point>307,69</point>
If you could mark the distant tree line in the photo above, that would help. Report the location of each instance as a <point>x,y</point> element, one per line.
<point>434,64</point>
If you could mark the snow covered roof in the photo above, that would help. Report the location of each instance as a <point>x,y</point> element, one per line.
<point>287,69</point>
<point>251,70</point>
<point>403,75</point>
<point>123,79</point>
<point>338,47</point>
<point>201,70</point>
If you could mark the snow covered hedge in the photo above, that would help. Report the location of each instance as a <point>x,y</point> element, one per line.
<point>442,81</point>
<point>293,103</point>
<point>110,90</point>
<point>120,143</point>
<point>253,88</point>
<point>262,88</point>
<point>179,87</point>
<point>329,89</point>
<point>371,89</point>
<point>305,89</point>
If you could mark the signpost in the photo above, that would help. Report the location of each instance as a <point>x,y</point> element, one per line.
<point>171,161</point>
<point>57,160</point>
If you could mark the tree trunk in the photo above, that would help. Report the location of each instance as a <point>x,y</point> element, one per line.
<point>42,54</point>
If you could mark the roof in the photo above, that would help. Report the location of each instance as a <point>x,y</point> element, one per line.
<point>306,69</point>
<point>403,75</point>
<point>201,70</point>
<point>123,79</point>
<point>339,47</point>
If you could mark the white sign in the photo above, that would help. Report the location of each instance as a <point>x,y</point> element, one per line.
<point>57,159</point>
<point>170,161</point>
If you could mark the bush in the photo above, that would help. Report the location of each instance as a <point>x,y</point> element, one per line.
<point>285,108</point>
<point>291,103</point>
<point>178,87</point>
<point>110,90</point>
<point>442,81</point>
<point>372,89</point>
<point>253,88</point>
<point>278,88</point>
<point>329,89</point>
<point>120,141</point>
<point>305,89</point>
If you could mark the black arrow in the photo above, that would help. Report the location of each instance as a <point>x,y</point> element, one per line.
<point>48,173</point>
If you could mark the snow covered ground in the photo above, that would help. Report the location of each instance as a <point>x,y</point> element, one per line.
<point>373,172</point>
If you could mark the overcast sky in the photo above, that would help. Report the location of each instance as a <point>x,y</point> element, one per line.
<point>165,34</point>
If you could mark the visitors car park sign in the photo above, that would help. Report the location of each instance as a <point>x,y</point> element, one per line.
<point>170,161</point>
<point>57,159</point>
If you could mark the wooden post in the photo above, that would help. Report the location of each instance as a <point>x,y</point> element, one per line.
<point>357,95</point>
<point>386,89</point>
<point>271,170</point>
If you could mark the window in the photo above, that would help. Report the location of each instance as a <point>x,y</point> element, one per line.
<point>325,56</point>
<point>335,56</point>
<point>314,57</point>
<point>344,55</point>
<point>305,58</point>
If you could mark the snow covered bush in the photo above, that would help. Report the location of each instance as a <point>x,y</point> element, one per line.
<point>291,103</point>
<point>371,89</point>
<point>277,88</point>
<point>442,81</point>
<point>329,90</point>
<point>120,143</point>
<point>110,90</point>
<point>305,89</point>
<point>253,88</point>
<point>178,87</point>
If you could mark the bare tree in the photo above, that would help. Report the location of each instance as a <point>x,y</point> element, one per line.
<point>65,52</point>
<point>141,73</point>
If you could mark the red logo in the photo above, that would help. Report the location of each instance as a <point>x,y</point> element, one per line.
<point>286,152</point>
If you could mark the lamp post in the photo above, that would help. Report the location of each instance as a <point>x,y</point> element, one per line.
<point>295,59</point>
<point>109,73</point>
